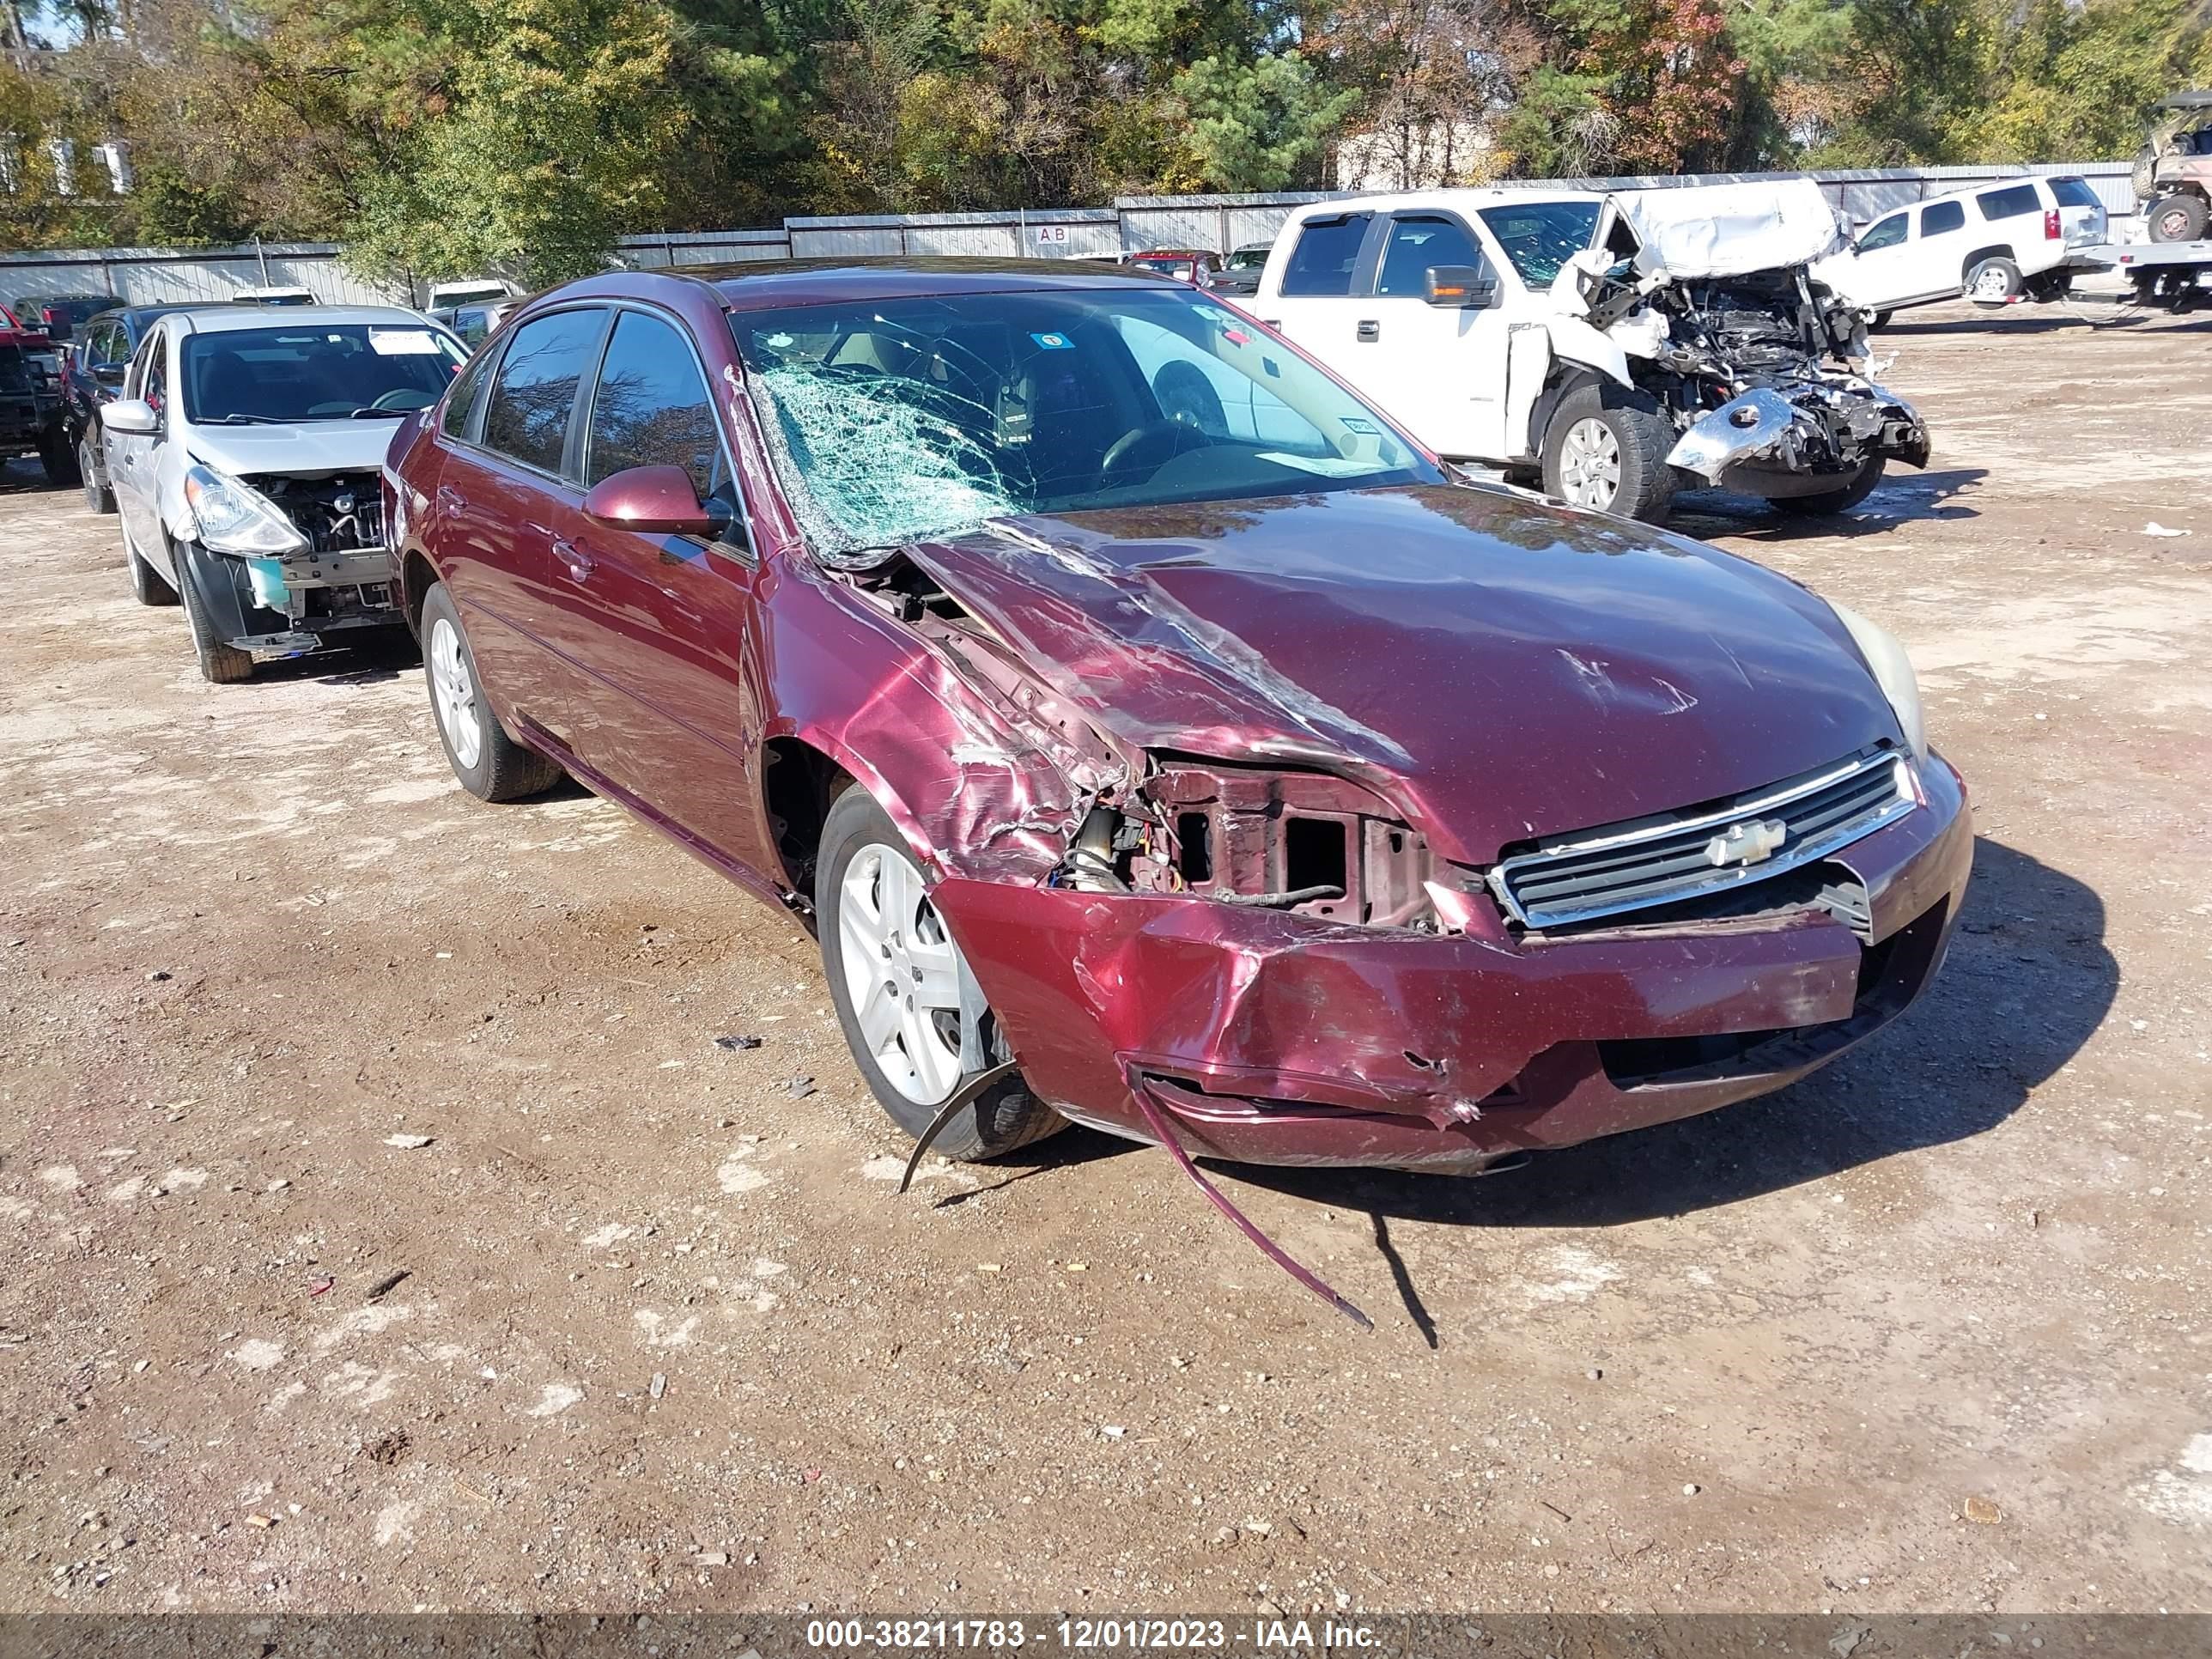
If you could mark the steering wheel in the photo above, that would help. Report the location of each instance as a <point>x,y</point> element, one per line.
<point>385,402</point>
<point>1172,434</point>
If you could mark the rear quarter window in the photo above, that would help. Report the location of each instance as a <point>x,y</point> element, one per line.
<point>2009,203</point>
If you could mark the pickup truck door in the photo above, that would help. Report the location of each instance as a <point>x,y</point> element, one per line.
<point>1308,290</point>
<point>1439,369</point>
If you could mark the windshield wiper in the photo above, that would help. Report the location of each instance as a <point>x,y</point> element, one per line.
<point>237,419</point>
<point>373,414</point>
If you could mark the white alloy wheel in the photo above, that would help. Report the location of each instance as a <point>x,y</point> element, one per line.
<point>902,973</point>
<point>1589,464</point>
<point>453,690</point>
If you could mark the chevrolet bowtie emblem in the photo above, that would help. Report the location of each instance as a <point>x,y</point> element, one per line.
<point>1747,843</point>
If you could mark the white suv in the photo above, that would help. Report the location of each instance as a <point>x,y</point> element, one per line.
<point>1994,244</point>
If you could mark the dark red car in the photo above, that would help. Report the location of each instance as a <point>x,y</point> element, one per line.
<point>1127,703</point>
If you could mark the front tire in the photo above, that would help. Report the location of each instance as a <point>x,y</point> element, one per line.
<point>2177,218</point>
<point>489,764</point>
<point>1836,500</point>
<point>220,662</point>
<point>895,974</point>
<point>1993,281</point>
<point>1606,448</point>
<point>147,584</point>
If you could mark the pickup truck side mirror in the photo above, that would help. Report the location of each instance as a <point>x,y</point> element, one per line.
<point>108,374</point>
<point>1464,286</point>
<point>131,414</point>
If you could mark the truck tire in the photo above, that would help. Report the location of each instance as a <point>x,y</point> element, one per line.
<point>1993,281</point>
<point>99,494</point>
<point>1835,501</point>
<point>865,868</point>
<point>1605,448</point>
<point>489,764</point>
<point>220,662</point>
<point>2179,217</point>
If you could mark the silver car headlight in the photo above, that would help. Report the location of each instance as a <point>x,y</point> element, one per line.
<point>236,517</point>
<point>1893,672</point>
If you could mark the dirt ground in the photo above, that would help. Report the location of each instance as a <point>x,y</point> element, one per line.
<point>1929,1332</point>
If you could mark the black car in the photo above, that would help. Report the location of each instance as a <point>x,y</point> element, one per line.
<point>58,315</point>
<point>31,421</point>
<point>92,378</point>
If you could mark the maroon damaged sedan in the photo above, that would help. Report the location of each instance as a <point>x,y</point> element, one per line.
<point>1156,737</point>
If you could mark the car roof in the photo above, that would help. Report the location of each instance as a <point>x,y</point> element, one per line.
<point>1983,189</point>
<point>761,284</point>
<point>1455,199</point>
<point>228,318</point>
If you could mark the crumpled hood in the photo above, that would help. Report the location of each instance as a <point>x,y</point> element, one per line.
<point>307,449</point>
<point>1698,231</point>
<point>1495,667</point>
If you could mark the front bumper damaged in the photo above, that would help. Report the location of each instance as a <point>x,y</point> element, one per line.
<point>1806,440</point>
<point>1269,1037</point>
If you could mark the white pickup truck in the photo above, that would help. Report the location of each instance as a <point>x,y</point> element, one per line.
<point>1615,345</point>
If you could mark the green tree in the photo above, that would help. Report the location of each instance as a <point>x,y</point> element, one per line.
<point>1254,126</point>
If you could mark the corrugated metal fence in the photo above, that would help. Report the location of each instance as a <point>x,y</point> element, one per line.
<point>142,276</point>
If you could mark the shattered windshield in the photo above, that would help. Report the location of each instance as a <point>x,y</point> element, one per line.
<point>1540,237</point>
<point>903,420</point>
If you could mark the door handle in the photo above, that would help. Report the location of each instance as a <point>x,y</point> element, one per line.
<point>449,501</point>
<point>1368,331</point>
<point>580,563</point>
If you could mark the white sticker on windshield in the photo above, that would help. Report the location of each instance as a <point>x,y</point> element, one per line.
<point>403,343</point>
<point>1325,466</point>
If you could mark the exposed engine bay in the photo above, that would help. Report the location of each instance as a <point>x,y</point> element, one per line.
<point>1760,370</point>
<point>341,578</point>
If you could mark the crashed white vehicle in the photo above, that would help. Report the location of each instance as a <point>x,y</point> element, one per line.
<point>245,451</point>
<point>1619,346</point>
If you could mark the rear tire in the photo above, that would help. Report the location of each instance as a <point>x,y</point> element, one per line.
<point>1880,321</point>
<point>888,955</point>
<point>1606,448</point>
<point>1835,501</point>
<point>97,494</point>
<point>489,764</point>
<point>1992,281</point>
<point>220,662</point>
<point>2179,217</point>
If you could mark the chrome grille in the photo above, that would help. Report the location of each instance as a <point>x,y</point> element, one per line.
<point>1710,850</point>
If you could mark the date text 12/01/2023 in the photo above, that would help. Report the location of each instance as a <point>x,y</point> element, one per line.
<point>1281,1635</point>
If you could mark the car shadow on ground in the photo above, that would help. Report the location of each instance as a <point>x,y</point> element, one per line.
<point>1902,498</point>
<point>2028,981</point>
<point>2104,312</point>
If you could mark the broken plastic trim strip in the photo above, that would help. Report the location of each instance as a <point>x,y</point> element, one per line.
<point>962,1098</point>
<point>1267,1247</point>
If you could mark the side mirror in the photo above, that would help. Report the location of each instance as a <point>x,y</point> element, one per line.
<point>1466,287</point>
<point>108,374</point>
<point>655,500</point>
<point>132,415</point>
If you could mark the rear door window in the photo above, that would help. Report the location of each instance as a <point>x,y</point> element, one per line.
<point>2009,203</point>
<point>1327,252</point>
<point>651,408</point>
<point>1418,241</point>
<point>1942,216</point>
<point>534,398</point>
